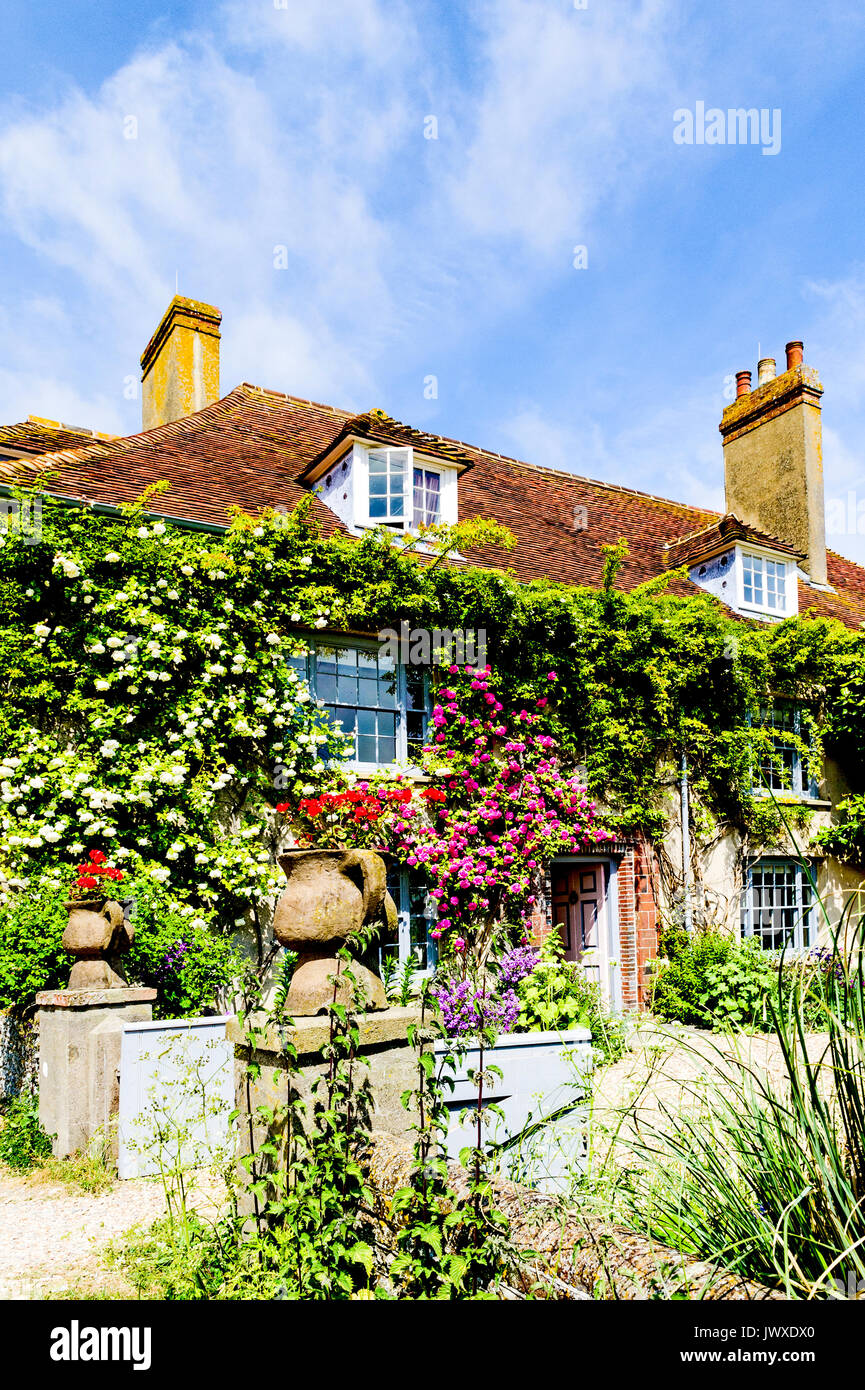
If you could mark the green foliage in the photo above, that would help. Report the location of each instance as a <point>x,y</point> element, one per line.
<point>847,838</point>
<point>558,995</point>
<point>187,958</point>
<point>317,1231</point>
<point>23,1141</point>
<point>179,951</point>
<point>404,987</point>
<point>32,922</point>
<point>149,695</point>
<point>711,980</point>
<point>89,1172</point>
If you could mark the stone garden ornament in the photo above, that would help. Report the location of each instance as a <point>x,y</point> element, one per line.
<point>330,895</point>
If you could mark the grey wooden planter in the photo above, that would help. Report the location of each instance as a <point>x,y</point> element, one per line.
<point>543,1092</point>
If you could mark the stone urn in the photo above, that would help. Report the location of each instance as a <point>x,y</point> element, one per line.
<point>330,894</point>
<point>97,933</point>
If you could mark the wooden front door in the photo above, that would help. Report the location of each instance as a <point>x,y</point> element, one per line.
<point>579,892</point>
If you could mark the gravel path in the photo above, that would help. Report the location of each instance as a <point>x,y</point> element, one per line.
<point>52,1235</point>
<point>668,1065</point>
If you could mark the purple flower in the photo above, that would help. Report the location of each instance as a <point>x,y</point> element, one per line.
<point>516,964</point>
<point>465,1009</point>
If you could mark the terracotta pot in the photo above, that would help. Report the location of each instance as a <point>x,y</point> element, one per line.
<point>331,893</point>
<point>96,933</point>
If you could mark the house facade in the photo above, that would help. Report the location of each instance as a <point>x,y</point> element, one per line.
<point>765,559</point>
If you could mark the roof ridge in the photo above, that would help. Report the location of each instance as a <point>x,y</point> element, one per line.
<point>296,400</point>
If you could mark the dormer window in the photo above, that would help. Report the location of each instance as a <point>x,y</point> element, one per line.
<point>764,583</point>
<point>754,574</point>
<point>402,493</point>
<point>403,486</point>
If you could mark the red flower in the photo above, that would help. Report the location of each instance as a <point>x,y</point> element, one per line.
<point>87,882</point>
<point>282,806</point>
<point>96,856</point>
<point>433,794</point>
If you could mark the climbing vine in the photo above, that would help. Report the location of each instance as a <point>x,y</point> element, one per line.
<point>149,691</point>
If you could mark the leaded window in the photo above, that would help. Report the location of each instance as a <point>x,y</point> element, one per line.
<point>777,904</point>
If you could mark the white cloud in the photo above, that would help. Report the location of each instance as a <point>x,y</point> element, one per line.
<point>560,119</point>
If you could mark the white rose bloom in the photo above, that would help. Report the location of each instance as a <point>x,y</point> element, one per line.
<point>186,569</point>
<point>272,638</point>
<point>101,685</point>
<point>41,630</point>
<point>142,532</point>
<point>114,642</point>
<point>112,557</point>
<point>321,622</point>
<point>159,529</point>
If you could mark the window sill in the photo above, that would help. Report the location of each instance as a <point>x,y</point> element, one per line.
<point>814,803</point>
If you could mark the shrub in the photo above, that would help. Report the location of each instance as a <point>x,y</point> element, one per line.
<point>558,995</point>
<point>711,980</point>
<point>32,921</point>
<point>23,1141</point>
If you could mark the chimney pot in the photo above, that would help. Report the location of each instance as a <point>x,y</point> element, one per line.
<point>743,384</point>
<point>795,354</point>
<point>765,370</point>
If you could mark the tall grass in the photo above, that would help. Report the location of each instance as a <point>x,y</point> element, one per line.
<point>765,1176</point>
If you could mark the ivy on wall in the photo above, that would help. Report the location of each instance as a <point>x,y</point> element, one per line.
<point>147,690</point>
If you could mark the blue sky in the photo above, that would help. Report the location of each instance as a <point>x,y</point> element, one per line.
<point>303,127</point>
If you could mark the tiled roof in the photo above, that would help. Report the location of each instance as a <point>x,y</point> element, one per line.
<point>718,536</point>
<point>250,449</point>
<point>380,428</point>
<point>35,436</point>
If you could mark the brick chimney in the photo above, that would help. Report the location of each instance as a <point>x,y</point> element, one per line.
<point>773,458</point>
<point>180,365</point>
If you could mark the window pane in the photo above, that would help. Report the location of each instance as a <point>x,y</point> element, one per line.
<point>367,750</point>
<point>366,722</point>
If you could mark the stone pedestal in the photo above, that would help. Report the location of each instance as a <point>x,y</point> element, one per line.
<point>79,1061</point>
<point>385,1056</point>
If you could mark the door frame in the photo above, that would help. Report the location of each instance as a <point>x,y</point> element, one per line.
<point>609,937</point>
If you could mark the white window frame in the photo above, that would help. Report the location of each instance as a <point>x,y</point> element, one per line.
<point>803,786</point>
<point>401,696</point>
<point>788,570</point>
<point>448,487</point>
<point>402,900</point>
<point>804,904</point>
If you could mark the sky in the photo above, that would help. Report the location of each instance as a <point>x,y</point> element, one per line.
<point>387,199</point>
